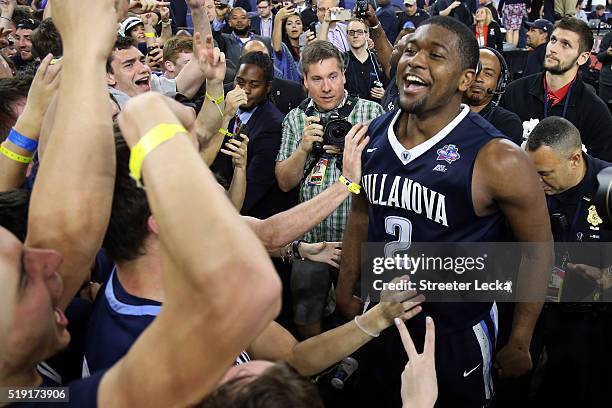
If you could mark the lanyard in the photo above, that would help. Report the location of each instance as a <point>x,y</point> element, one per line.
<point>565,104</point>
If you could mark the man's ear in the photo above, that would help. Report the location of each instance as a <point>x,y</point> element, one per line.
<point>466,79</point>
<point>152,225</point>
<point>169,66</point>
<point>583,58</point>
<point>110,79</point>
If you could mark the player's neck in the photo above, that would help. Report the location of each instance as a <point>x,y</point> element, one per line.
<point>558,81</point>
<point>142,277</point>
<point>27,377</point>
<point>414,129</point>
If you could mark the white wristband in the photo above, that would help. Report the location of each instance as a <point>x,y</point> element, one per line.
<point>364,330</point>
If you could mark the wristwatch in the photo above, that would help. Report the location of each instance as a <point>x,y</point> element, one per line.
<point>296,250</point>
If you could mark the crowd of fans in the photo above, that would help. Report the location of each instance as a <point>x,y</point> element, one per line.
<point>186,185</point>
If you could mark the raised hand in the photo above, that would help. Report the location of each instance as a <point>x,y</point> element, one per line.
<point>324,252</point>
<point>237,150</point>
<point>419,383</point>
<point>210,59</point>
<point>164,13</point>
<point>354,143</point>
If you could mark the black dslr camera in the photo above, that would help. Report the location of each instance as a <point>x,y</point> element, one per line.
<point>361,7</point>
<point>335,129</point>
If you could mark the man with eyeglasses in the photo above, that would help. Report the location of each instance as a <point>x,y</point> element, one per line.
<point>411,13</point>
<point>327,29</point>
<point>364,76</point>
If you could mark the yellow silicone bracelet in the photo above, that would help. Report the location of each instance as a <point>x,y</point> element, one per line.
<point>216,101</point>
<point>226,132</point>
<point>14,156</point>
<point>351,185</point>
<point>153,138</point>
<point>150,35</point>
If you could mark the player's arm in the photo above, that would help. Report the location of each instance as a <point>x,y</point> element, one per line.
<point>315,354</point>
<point>381,43</point>
<point>289,225</point>
<point>218,296</point>
<point>355,234</point>
<point>71,200</point>
<point>511,181</point>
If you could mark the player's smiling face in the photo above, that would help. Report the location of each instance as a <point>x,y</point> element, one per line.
<point>429,71</point>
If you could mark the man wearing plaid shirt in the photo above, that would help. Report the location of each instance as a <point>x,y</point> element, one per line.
<point>298,165</point>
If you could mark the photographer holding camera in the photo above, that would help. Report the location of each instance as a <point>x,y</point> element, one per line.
<point>309,157</point>
<point>576,330</point>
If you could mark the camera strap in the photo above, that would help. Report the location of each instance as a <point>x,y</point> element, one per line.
<point>344,111</point>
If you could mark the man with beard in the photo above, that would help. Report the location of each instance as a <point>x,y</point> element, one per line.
<point>537,38</point>
<point>560,91</point>
<point>441,152</point>
<point>484,93</point>
<point>232,44</point>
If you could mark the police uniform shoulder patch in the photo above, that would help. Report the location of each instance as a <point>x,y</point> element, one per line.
<point>593,218</point>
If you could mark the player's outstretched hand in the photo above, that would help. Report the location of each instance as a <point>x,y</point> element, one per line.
<point>419,383</point>
<point>403,304</point>
<point>354,143</point>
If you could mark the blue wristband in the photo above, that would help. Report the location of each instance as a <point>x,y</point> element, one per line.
<point>20,140</point>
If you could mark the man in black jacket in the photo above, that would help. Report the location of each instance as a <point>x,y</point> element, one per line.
<point>605,77</point>
<point>483,95</point>
<point>560,91</point>
<point>262,122</point>
<point>537,38</point>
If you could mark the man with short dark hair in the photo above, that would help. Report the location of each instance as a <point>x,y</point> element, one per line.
<point>576,336</point>
<point>411,13</point>
<point>484,93</point>
<point>560,91</point>
<point>598,13</point>
<point>263,23</point>
<point>438,150</point>
<point>299,163</point>
<point>232,44</point>
<point>538,35</point>
<point>23,37</point>
<point>46,40</point>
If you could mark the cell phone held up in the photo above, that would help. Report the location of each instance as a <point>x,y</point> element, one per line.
<point>340,14</point>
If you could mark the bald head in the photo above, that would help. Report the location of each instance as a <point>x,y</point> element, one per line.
<point>255,46</point>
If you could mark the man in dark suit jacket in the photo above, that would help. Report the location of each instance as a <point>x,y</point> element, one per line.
<point>285,95</point>
<point>263,23</point>
<point>232,44</point>
<point>262,122</point>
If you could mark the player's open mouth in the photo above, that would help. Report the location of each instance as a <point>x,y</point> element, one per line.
<point>413,84</point>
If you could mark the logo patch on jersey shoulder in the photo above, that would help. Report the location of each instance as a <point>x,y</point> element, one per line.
<point>441,168</point>
<point>448,153</point>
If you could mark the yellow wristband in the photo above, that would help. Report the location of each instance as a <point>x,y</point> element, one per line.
<point>216,101</point>
<point>14,156</point>
<point>150,35</point>
<point>226,132</point>
<point>351,185</point>
<point>153,138</point>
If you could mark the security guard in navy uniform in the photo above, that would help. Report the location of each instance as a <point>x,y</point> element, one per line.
<point>576,332</point>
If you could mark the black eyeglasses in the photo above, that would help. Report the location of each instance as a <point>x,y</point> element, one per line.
<point>357,33</point>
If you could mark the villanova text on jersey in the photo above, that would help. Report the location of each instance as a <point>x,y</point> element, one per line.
<point>424,194</point>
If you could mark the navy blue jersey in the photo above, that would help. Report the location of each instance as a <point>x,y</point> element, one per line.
<point>118,319</point>
<point>424,194</point>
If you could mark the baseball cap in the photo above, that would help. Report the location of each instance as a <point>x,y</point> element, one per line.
<point>542,24</point>
<point>128,24</point>
<point>28,24</point>
<point>408,25</point>
<point>410,2</point>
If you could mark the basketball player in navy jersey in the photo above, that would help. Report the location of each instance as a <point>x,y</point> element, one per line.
<point>434,150</point>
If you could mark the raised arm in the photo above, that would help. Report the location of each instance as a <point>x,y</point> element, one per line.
<point>383,47</point>
<point>277,32</point>
<point>205,296</point>
<point>6,14</point>
<point>44,86</point>
<point>166,25</point>
<point>238,151</point>
<point>511,181</point>
<point>289,225</point>
<point>71,200</point>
